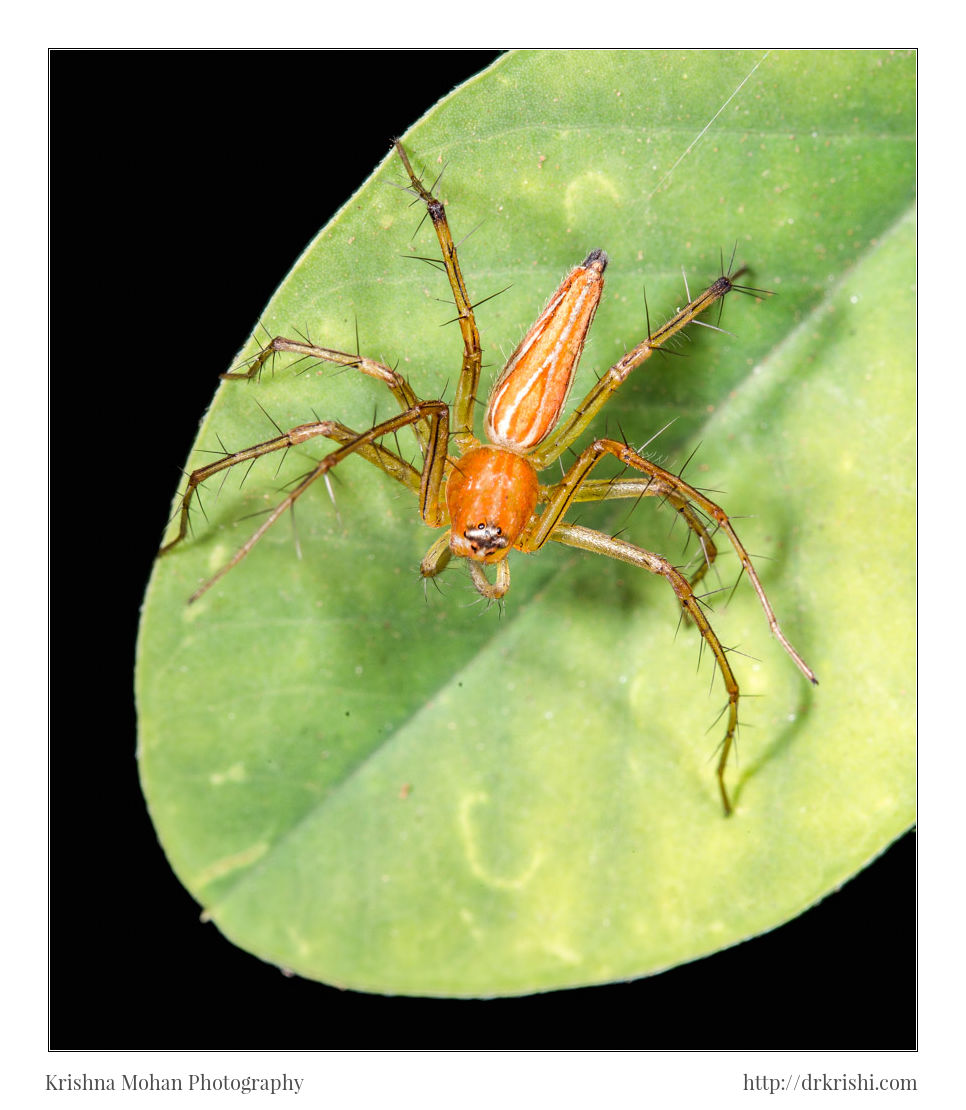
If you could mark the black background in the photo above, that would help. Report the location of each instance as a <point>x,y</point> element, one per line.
<point>143,146</point>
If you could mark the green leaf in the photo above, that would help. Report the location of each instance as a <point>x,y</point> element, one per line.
<point>421,795</point>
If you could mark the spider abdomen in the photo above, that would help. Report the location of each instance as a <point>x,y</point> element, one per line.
<point>532,390</point>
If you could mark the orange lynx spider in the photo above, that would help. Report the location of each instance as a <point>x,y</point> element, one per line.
<point>487,497</point>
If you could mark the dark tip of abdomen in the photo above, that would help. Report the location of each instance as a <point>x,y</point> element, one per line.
<point>597,255</point>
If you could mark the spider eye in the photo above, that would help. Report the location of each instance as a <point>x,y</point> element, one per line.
<point>486,538</point>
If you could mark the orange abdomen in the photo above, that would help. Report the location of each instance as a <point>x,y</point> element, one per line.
<point>532,390</point>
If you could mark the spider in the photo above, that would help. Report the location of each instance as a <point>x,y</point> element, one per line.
<point>486,497</point>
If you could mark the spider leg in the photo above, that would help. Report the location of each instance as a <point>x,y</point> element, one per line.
<point>607,489</point>
<point>437,558</point>
<point>601,392</point>
<point>561,496</point>
<point>428,484</point>
<point>573,535</point>
<point>392,464</point>
<point>469,377</point>
<point>398,386</point>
